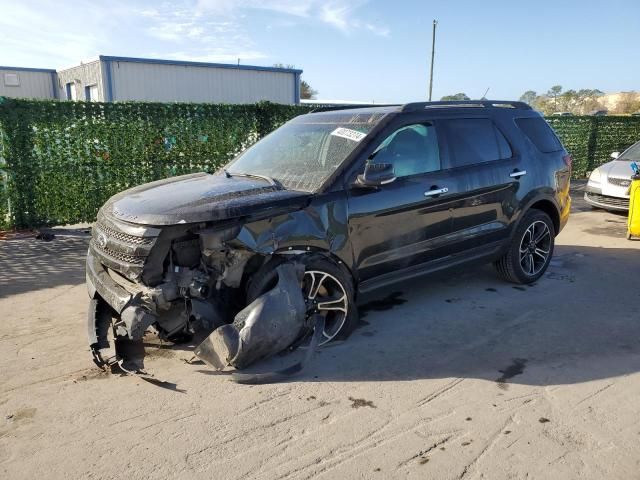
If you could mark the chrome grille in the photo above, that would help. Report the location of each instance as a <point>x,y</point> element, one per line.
<point>121,246</point>
<point>122,257</point>
<point>124,237</point>
<point>620,182</point>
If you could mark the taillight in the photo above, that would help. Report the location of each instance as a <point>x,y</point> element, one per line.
<point>568,161</point>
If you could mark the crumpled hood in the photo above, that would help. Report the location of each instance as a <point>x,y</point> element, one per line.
<point>200,197</point>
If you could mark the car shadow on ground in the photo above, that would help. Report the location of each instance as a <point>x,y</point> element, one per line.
<point>472,325</point>
<point>28,264</point>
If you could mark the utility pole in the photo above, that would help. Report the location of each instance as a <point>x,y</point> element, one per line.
<point>433,53</point>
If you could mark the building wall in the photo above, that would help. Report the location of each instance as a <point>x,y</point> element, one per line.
<point>166,82</point>
<point>34,83</point>
<point>82,76</point>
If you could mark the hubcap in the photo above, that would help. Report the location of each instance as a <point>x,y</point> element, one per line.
<point>326,295</point>
<point>535,247</point>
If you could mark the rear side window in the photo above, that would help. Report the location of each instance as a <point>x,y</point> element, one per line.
<point>540,134</point>
<point>475,140</point>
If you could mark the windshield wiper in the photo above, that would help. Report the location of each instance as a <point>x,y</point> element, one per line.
<point>272,181</point>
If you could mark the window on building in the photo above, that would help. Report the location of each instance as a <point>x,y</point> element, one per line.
<point>91,93</point>
<point>11,80</point>
<point>475,140</point>
<point>70,88</point>
<point>411,150</point>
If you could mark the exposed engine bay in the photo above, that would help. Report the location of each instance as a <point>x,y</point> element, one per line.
<point>183,278</point>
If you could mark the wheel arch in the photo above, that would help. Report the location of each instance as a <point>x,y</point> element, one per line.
<point>546,204</point>
<point>257,261</point>
<point>548,207</point>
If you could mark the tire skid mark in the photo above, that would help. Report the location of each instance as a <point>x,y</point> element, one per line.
<point>532,396</point>
<point>421,453</point>
<point>173,418</point>
<point>260,403</point>
<point>349,449</point>
<point>219,443</point>
<point>493,439</point>
<point>36,382</point>
<point>597,392</point>
<point>440,391</point>
<point>343,453</point>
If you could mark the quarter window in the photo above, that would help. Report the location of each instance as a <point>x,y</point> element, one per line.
<point>475,140</point>
<point>411,150</point>
<point>540,134</point>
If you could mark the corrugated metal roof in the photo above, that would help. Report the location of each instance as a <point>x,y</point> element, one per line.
<point>185,63</point>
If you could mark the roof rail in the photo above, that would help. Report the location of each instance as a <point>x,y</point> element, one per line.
<point>415,106</point>
<point>330,107</point>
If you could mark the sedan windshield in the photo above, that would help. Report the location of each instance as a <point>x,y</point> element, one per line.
<point>304,152</point>
<point>632,154</point>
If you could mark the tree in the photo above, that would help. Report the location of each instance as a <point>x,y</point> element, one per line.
<point>457,96</point>
<point>628,102</point>
<point>580,102</point>
<point>306,91</point>
<point>554,93</point>
<point>529,97</point>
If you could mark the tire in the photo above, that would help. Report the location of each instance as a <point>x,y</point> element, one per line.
<point>333,281</point>
<point>524,265</point>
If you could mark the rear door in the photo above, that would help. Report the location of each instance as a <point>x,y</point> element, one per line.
<point>485,171</point>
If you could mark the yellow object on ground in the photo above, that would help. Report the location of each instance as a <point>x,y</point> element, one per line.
<point>634,207</point>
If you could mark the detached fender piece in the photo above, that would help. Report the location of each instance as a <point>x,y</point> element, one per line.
<point>268,325</point>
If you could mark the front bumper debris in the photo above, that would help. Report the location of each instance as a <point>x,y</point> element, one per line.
<point>99,282</point>
<point>268,325</point>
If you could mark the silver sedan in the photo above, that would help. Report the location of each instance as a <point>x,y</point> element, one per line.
<point>608,185</point>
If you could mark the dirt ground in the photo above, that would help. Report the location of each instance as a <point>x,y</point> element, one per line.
<point>458,376</point>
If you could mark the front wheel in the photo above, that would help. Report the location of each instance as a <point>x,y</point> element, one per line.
<point>530,251</point>
<point>327,289</point>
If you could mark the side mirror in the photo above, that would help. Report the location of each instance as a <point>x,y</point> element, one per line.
<point>615,155</point>
<point>376,174</point>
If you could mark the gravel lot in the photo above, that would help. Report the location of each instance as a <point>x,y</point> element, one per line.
<point>457,376</point>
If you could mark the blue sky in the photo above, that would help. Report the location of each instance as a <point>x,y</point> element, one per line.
<point>350,49</point>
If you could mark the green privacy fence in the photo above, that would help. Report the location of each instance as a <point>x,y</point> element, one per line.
<point>591,140</point>
<point>62,160</point>
<point>59,161</point>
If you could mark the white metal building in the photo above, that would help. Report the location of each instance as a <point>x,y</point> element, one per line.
<point>18,82</point>
<point>110,79</point>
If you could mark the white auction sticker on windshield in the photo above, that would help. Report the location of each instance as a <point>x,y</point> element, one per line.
<point>349,134</point>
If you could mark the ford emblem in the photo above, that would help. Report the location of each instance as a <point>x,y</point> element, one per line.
<point>102,240</point>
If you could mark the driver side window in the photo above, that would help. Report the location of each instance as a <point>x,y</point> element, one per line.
<point>412,150</point>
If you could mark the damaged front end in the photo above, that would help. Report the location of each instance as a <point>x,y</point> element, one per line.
<point>178,278</point>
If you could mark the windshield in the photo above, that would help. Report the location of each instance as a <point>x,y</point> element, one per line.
<point>632,153</point>
<point>304,152</point>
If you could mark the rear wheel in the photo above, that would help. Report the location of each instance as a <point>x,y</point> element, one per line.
<point>530,251</point>
<point>327,289</point>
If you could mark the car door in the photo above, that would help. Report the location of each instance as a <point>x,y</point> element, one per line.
<point>485,172</point>
<point>402,224</point>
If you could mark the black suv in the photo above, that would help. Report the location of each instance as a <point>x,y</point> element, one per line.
<point>361,197</point>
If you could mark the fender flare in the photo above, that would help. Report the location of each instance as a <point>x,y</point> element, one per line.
<point>540,197</point>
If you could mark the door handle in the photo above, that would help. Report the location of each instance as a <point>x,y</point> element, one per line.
<point>438,191</point>
<point>517,173</point>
